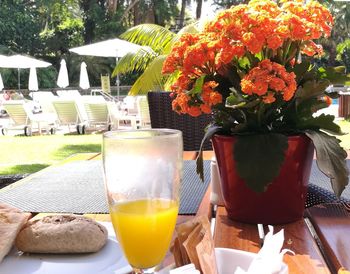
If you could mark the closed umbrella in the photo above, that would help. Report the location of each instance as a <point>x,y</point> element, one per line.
<point>1,83</point>
<point>33,80</point>
<point>63,80</point>
<point>109,48</point>
<point>21,62</point>
<point>84,78</point>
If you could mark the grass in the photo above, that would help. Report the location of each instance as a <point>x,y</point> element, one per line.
<point>19,154</point>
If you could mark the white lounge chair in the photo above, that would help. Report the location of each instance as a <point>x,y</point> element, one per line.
<point>97,113</point>
<point>117,116</point>
<point>68,94</point>
<point>44,99</point>
<point>21,117</point>
<point>143,116</point>
<point>71,113</point>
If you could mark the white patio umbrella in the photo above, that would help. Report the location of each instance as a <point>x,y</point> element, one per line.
<point>63,80</point>
<point>84,78</point>
<point>110,48</point>
<point>22,62</point>
<point>33,80</point>
<point>1,83</point>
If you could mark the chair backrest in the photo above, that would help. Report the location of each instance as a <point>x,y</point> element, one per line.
<point>162,116</point>
<point>67,112</point>
<point>68,93</point>
<point>17,111</point>
<point>143,110</point>
<point>130,103</point>
<point>42,95</point>
<point>97,112</point>
<point>44,98</point>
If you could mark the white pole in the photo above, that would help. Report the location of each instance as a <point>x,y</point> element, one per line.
<point>19,78</point>
<point>118,81</point>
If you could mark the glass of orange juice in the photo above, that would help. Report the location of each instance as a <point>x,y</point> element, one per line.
<point>142,173</point>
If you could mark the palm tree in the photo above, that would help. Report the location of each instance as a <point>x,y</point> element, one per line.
<point>156,41</point>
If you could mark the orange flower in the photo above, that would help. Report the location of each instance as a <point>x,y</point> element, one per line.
<point>205,108</point>
<point>269,98</point>
<point>267,79</point>
<point>231,45</point>
<point>328,100</point>
<point>194,111</point>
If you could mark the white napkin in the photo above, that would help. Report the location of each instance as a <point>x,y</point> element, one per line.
<point>270,257</point>
<point>185,269</point>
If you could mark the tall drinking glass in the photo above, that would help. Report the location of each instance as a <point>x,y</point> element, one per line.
<point>142,172</point>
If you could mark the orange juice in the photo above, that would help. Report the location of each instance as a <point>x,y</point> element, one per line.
<point>144,229</point>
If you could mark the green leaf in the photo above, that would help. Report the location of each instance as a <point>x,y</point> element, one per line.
<point>137,61</point>
<point>259,158</point>
<point>199,161</point>
<point>301,69</point>
<point>312,89</point>
<point>197,89</point>
<point>152,35</point>
<point>331,159</point>
<point>151,78</point>
<point>323,121</point>
<point>336,75</point>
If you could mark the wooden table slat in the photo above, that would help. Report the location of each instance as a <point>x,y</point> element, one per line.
<point>332,226</point>
<point>231,234</point>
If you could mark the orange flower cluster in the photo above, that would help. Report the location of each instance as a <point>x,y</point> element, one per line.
<point>261,28</point>
<point>196,104</point>
<point>269,79</point>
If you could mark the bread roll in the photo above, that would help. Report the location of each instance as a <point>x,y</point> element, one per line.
<point>11,221</point>
<point>62,234</point>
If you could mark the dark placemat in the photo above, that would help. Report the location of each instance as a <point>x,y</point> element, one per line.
<point>320,189</point>
<point>77,187</point>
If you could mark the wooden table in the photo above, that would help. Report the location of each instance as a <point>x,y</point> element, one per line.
<point>231,234</point>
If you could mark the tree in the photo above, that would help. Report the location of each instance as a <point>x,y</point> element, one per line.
<point>340,31</point>
<point>148,61</point>
<point>225,4</point>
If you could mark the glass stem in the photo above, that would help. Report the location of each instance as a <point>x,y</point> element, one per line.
<point>144,270</point>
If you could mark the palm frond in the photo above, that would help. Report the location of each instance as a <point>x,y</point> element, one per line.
<point>170,80</point>
<point>151,79</point>
<point>154,36</point>
<point>136,61</point>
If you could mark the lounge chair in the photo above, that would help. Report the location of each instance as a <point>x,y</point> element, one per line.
<point>143,116</point>
<point>97,113</point>
<point>71,113</point>
<point>21,117</point>
<point>117,116</point>
<point>44,99</point>
<point>68,94</point>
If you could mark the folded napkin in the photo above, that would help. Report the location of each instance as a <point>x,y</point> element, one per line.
<point>185,269</point>
<point>269,260</point>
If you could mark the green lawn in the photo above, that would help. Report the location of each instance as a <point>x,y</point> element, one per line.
<point>21,154</point>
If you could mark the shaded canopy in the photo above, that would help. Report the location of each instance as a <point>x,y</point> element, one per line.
<point>21,62</point>
<point>109,48</point>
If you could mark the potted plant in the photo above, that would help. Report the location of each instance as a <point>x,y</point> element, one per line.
<point>251,67</point>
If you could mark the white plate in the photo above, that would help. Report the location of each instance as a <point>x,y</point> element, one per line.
<point>229,259</point>
<point>109,260</point>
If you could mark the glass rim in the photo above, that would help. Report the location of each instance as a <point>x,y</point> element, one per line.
<point>122,134</point>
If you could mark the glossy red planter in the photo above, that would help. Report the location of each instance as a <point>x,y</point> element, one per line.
<point>284,199</point>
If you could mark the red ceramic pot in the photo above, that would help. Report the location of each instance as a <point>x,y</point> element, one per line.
<point>284,199</point>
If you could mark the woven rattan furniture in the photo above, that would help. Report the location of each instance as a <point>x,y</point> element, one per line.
<point>162,116</point>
